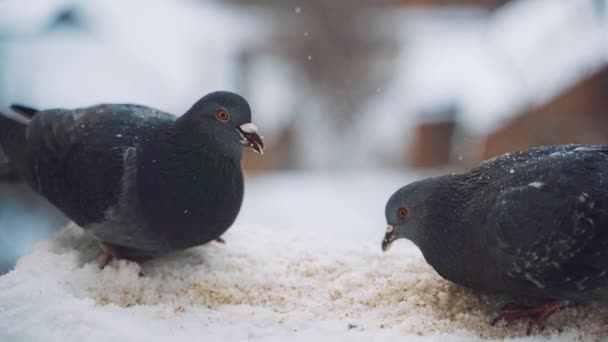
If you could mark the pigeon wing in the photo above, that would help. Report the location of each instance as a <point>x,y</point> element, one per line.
<point>76,157</point>
<point>551,233</point>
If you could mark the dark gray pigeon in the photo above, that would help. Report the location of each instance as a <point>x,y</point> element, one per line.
<point>142,181</point>
<point>7,173</point>
<point>530,224</point>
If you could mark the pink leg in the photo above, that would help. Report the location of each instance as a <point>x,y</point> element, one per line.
<point>110,253</point>
<point>538,314</point>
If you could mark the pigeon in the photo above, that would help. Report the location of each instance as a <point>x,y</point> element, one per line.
<point>143,182</point>
<point>530,224</point>
<point>7,174</point>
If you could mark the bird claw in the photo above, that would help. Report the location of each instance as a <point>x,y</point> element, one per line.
<point>107,255</point>
<point>110,253</point>
<point>537,314</point>
<point>513,307</point>
<point>220,240</point>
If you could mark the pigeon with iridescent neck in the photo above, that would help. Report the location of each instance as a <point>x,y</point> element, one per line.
<point>143,182</point>
<point>528,224</point>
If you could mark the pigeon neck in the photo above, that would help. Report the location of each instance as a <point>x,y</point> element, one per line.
<point>196,181</point>
<point>444,238</point>
<point>189,140</point>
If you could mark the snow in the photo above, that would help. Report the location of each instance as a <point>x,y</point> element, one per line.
<point>338,204</point>
<point>302,263</point>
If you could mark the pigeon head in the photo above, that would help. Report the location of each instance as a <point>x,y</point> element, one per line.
<point>406,212</point>
<point>226,118</point>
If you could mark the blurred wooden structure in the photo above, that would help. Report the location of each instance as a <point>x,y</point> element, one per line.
<point>433,139</point>
<point>432,144</point>
<point>485,4</point>
<point>577,115</point>
<point>277,154</point>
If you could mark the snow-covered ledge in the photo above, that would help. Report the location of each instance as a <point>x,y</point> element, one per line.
<point>263,285</point>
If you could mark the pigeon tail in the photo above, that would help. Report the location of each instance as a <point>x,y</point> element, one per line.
<point>12,142</point>
<point>26,112</point>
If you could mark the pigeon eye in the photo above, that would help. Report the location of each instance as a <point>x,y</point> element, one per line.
<point>222,115</point>
<point>403,211</point>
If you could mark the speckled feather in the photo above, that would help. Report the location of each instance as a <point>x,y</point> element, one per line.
<point>76,157</point>
<point>532,223</point>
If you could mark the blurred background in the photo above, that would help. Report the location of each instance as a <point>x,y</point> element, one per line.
<point>345,92</point>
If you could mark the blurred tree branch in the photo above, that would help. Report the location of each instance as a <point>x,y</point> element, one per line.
<point>485,4</point>
<point>341,48</point>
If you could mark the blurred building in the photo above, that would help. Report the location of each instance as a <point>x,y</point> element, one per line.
<point>433,139</point>
<point>577,115</point>
<point>552,62</point>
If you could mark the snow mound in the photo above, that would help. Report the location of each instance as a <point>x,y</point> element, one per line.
<point>262,285</point>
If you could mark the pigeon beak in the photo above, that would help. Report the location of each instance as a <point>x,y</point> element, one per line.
<point>251,138</point>
<point>389,237</point>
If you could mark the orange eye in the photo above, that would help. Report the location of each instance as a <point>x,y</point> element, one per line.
<point>222,115</point>
<point>403,211</point>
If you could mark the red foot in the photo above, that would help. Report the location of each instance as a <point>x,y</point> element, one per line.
<point>538,314</point>
<point>110,253</point>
